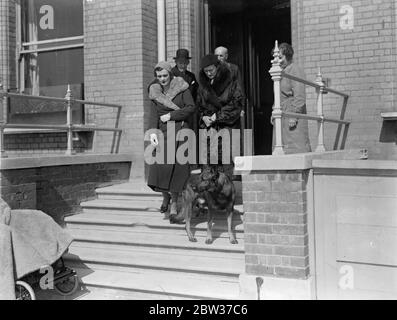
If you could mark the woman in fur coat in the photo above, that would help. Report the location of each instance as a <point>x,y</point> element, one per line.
<point>172,103</point>
<point>220,101</point>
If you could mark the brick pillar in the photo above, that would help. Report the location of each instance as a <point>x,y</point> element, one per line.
<point>181,29</point>
<point>277,235</point>
<point>4,42</point>
<point>276,240</point>
<point>120,53</point>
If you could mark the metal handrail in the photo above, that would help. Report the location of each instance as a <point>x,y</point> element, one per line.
<point>56,99</point>
<point>66,39</point>
<point>277,74</point>
<point>69,127</point>
<point>310,117</point>
<point>57,127</point>
<point>313,84</point>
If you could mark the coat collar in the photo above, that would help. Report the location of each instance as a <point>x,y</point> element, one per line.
<point>221,81</point>
<point>178,85</point>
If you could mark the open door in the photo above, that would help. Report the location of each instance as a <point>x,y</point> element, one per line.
<point>249,29</point>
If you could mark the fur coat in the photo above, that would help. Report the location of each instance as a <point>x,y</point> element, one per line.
<point>223,96</point>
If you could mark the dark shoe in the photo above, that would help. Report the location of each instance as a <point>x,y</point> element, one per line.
<point>164,208</point>
<point>175,219</point>
<point>165,204</point>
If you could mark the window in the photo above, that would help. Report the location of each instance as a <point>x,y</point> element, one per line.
<point>50,57</point>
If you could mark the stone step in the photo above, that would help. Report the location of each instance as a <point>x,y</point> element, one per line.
<point>180,260</point>
<point>138,186</point>
<point>200,234</point>
<point>120,206</point>
<point>154,239</point>
<point>151,221</point>
<point>137,283</point>
<point>99,292</point>
<point>139,191</point>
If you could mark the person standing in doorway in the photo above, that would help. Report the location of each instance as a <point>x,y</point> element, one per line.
<point>223,54</point>
<point>295,132</point>
<point>182,61</point>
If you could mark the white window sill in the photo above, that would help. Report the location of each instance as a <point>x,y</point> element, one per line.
<point>389,116</point>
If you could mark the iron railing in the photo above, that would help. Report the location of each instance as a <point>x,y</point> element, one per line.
<point>69,127</point>
<point>277,74</point>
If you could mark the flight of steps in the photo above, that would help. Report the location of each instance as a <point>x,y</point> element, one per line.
<point>124,248</point>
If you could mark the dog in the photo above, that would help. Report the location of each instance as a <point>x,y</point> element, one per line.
<point>210,189</point>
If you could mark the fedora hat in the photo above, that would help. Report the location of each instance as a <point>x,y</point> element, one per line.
<point>182,54</point>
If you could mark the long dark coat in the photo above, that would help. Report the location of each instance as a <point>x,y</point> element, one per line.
<point>190,78</point>
<point>170,177</point>
<point>224,97</point>
<point>293,99</point>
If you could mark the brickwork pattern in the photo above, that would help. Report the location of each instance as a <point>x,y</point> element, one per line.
<point>119,54</point>
<point>275,224</point>
<point>360,61</point>
<point>7,44</point>
<point>181,29</point>
<point>4,61</point>
<point>58,190</point>
<point>23,145</point>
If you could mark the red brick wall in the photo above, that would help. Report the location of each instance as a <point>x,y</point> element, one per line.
<point>59,190</point>
<point>181,29</point>
<point>360,61</point>
<point>119,54</point>
<point>4,68</point>
<point>275,223</point>
<point>33,144</point>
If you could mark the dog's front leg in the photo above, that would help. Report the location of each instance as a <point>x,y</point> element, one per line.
<point>188,216</point>
<point>209,239</point>
<point>232,238</point>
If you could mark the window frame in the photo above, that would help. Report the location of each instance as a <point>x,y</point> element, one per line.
<point>23,49</point>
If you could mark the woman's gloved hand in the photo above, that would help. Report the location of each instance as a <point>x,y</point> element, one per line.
<point>154,140</point>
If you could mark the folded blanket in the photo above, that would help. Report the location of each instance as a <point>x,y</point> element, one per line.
<point>33,240</point>
<point>7,284</point>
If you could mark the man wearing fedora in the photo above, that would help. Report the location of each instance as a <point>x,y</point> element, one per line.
<point>182,60</point>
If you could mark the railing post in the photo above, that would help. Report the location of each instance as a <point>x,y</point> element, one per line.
<point>275,71</point>
<point>320,112</point>
<point>4,121</point>
<point>68,97</point>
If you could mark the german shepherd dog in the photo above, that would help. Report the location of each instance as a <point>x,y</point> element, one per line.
<point>213,189</point>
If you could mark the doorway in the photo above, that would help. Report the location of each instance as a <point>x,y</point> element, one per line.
<point>249,28</point>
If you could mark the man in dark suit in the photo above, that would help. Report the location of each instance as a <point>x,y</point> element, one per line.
<point>182,61</point>
<point>223,54</point>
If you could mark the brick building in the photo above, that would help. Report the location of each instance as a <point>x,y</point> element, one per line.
<point>107,55</point>
<point>354,45</point>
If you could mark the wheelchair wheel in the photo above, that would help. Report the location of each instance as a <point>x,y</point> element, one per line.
<point>67,286</point>
<point>24,291</point>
